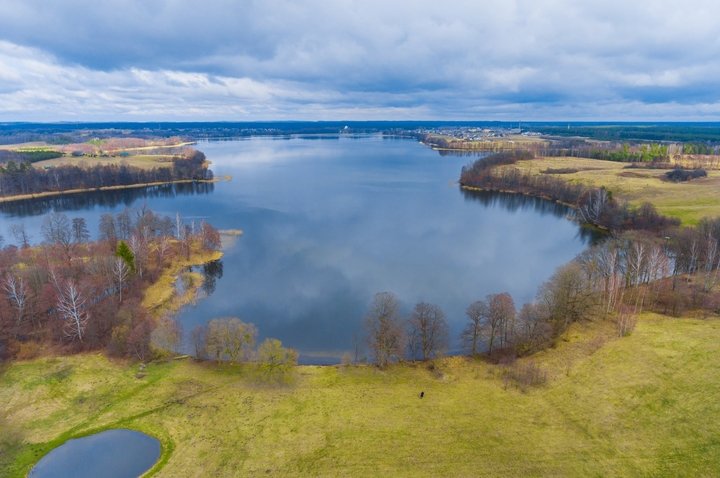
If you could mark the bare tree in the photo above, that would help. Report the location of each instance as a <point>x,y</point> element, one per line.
<point>178,227</point>
<point>711,253</point>
<point>72,308</point>
<point>198,336</point>
<point>123,223</point>
<point>472,334</point>
<point>80,231</point>
<point>500,320</point>
<point>108,231</point>
<point>593,206</point>
<point>427,331</point>
<point>139,247</point>
<point>384,329</point>
<point>163,245</point>
<point>17,294</point>
<point>120,271</point>
<point>533,330</point>
<point>20,235</point>
<point>56,229</point>
<point>568,297</point>
<point>167,335</point>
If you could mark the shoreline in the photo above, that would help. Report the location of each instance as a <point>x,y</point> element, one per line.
<point>538,196</point>
<point>162,298</point>
<point>25,197</point>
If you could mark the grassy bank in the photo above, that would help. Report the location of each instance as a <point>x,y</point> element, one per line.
<point>689,201</point>
<point>641,405</point>
<point>161,297</point>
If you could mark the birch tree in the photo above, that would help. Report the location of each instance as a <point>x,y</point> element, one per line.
<point>120,274</point>
<point>17,293</point>
<point>71,306</point>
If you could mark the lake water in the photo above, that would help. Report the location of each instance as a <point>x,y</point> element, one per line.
<point>110,454</point>
<point>330,221</point>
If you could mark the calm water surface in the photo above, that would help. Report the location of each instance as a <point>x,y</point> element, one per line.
<point>329,222</point>
<point>110,454</point>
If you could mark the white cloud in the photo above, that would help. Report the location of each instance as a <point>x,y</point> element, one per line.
<point>353,59</point>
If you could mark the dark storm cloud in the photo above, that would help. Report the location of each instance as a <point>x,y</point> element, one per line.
<point>275,59</point>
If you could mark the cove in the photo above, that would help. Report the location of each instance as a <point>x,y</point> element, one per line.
<point>111,454</point>
<point>329,221</point>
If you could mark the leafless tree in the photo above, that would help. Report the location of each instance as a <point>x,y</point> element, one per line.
<point>123,223</point>
<point>500,320</point>
<point>593,207</point>
<point>163,245</point>
<point>17,294</point>
<point>120,274</point>
<point>56,229</point>
<point>139,248</point>
<point>80,231</point>
<point>384,329</point>
<point>533,330</point>
<point>568,297</point>
<point>108,231</point>
<point>20,235</point>
<point>167,335</point>
<point>472,334</point>
<point>427,331</point>
<point>198,336</point>
<point>71,305</point>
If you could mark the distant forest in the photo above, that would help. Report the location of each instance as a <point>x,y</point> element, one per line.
<point>17,178</point>
<point>65,133</point>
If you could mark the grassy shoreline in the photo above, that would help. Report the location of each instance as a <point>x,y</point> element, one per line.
<point>161,298</point>
<point>631,406</point>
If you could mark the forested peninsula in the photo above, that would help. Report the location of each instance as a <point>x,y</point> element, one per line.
<point>35,172</point>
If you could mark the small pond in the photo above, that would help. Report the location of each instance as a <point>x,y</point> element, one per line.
<point>111,454</point>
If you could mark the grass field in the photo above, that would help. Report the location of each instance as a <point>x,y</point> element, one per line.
<point>689,201</point>
<point>644,405</point>
<point>139,161</point>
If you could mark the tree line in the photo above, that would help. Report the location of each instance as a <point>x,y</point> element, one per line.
<point>74,294</point>
<point>594,206</point>
<point>616,280</point>
<point>17,178</point>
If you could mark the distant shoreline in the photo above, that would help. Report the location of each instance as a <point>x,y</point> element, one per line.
<point>23,197</point>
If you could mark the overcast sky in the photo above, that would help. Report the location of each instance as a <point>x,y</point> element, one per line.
<point>359,59</point>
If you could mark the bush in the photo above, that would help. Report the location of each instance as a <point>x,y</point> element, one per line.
<point>625,322</point>
<point>680,175</point>
<point>28,350</point>
<point>525,375</point>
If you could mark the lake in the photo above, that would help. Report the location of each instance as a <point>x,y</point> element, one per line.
<point>111,454</point>
<point>331,220</point>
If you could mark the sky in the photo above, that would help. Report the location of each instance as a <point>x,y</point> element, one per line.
<point>222,60</point>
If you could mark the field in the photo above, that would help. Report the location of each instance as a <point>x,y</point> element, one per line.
<point>141,153</point>
<point>643,405</point>
<point>689,201</point>
<point>139,161</point>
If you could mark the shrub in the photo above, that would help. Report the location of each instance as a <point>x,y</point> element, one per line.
<point>525,375</point>
<point>680,175</point>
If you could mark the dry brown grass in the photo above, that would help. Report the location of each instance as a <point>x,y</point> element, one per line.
<point>689,201</point>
